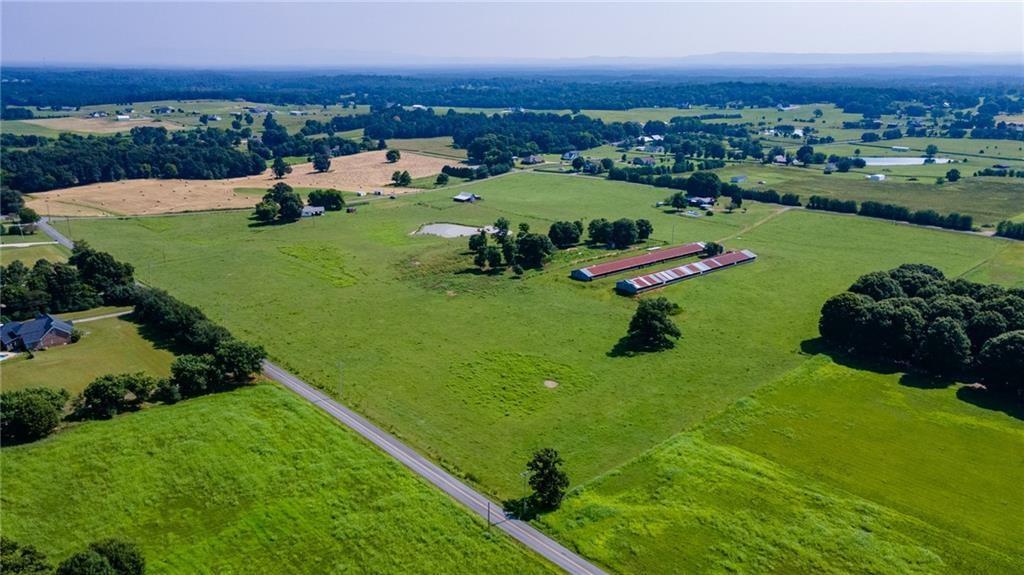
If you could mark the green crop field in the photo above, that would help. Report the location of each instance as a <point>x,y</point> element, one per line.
<point>402,328</point>
<point>225,482</point>
<point>114,345</point>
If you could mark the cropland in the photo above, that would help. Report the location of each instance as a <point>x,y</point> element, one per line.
<point>744,448</point>
<point>358,172</point>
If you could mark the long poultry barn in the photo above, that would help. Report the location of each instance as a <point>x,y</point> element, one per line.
<point>650,258</point>
<point>658,279</point>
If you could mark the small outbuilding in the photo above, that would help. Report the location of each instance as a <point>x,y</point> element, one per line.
<point>466,197</point>
<point>877,177</point>
<point>570,156</point>
<point>310,211</point>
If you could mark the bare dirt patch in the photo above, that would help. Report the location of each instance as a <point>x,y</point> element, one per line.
<point>359,172</point>
<point>100,125</point>
<point>550,383</point>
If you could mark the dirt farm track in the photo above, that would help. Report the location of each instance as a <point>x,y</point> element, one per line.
<point>359,172</point>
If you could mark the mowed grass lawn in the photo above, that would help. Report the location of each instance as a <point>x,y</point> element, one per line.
<point>31,254</point>
<point>454,361</point>
<point>250,479</point>
<point>113,345</point>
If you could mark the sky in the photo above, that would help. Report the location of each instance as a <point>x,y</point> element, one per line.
<point>330,34</point>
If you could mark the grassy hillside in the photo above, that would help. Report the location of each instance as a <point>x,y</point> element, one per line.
<point>226,482</point>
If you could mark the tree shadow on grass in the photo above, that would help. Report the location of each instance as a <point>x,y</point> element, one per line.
<point>818,346</point>
<point>159,338</point>
<point>629,347</point>
<point>993,401</point>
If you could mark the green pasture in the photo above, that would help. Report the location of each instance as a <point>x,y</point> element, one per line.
<point>405,330</point>
<point>442,146</point>
<point>989,200</point>
<point>229,481</point>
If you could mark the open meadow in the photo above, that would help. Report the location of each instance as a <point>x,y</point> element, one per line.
<point>254,476</point>
<point>454,361</point>
<point>39,249</point>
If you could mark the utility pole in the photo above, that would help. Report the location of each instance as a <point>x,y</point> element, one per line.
<point>341,365</point>
<point>523,474</point>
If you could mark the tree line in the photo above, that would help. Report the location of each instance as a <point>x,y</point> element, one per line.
<point>914,317</point>
<point>874,97</point>
<point>89,279</point>
<point>1008,229</point>
<point>146,152</point>
<point>952,221</point>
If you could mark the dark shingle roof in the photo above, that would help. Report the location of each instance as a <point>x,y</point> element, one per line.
<point>32,331</point>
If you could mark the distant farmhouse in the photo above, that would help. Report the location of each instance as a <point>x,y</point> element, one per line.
<point>310,211</point>
<point>161,110</point>
<point>533,159</point>
<point>466,197</point>
<point>40,333</point>
<point>570,156</point>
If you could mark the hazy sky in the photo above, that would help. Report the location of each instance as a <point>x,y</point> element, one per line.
<point>264,34</point>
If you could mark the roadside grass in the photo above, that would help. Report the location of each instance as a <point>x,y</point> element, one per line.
<point>31,254</point>
<point>114,345</point>
<point>252,477</point>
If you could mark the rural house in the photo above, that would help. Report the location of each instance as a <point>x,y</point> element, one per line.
<point>40,333</point>
<point>310,211</point>
<point>532,159</point>
<point>570,156</point>
<point>466,197</point>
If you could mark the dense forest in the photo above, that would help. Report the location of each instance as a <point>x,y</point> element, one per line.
<point>72,160</point>
<point>48,87</point>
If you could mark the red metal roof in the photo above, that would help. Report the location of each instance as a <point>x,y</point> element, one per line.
<point>644,282</point>
<point>651,257</point>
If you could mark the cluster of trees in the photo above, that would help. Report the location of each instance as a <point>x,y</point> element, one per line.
<point>621,233</point>
<point>145,152</point>
<point>87,280</point>
<point>219,362</point>
<point>478,173</point>
<point>1008,229</point>
<point>281,203</point>
<point>952,221</point>
<point>832,205</point>
<point>914,316</point>
<point>520,251</point>
<point>401,178</point>
<point>1000,173</point>
<point>651,327</point>
<point>705,184</point>
<point>330,199</point>
<point>103,557</point>
<point>767,196</point>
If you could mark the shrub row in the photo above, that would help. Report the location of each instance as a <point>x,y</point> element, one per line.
<point>952,221</point>
<point>1008,229</point>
